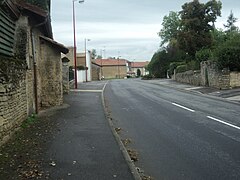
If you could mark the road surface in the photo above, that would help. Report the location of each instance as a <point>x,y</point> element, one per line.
<point>178,134</point>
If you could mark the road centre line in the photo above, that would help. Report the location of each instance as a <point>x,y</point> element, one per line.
<point>183,107</point>
<point>223,122</point>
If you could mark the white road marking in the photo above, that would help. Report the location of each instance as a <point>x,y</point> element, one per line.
<point>104,86</point>
<point>223,122</point>
<point>81,90</point>
<point>193,88</point>
<point>183,107</point>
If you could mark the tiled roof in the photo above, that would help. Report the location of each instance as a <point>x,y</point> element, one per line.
<point>111,62</point>
<point>139,64</point>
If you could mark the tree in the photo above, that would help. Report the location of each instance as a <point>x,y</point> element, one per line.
<point>171,25</point>
<point>195,32</point>
<point>94,53</point>
<point>99,57</point>
<point>159,64</point>
<point>230,23</point>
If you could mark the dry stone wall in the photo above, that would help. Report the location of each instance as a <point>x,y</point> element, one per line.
<point>210,75</point>
<point>13,100</point>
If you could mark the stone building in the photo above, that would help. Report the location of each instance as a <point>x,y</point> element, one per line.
<point>30,64</point>
<point>141,66</point>
<point>113,68</point>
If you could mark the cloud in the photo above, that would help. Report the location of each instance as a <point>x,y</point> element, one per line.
<point>128,26</point>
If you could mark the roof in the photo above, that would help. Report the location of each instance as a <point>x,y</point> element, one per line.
<point>37,14</point>
<point>111,62</point>
<point>59,46</point>
<point>139,64</point>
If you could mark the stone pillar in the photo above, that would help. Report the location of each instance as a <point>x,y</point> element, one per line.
<point>65,74</point>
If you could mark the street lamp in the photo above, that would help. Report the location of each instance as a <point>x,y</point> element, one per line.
<point>75,48</point>
<point>118,67</point>
<point>86,57</point>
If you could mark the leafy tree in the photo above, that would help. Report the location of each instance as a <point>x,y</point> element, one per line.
<point>218,36</point>
<point>171,25</point>
<point>230,23</point>
<point>159,63</point>
<point>99,57</point>
<point>195,32</point>
<point>94,53</point>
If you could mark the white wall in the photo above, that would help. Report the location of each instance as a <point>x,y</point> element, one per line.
<point>81,76</point>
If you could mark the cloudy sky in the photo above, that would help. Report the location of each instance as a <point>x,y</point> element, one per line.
<point>126,28</point>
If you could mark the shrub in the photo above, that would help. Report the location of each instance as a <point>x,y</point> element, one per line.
<point>228,54</point>
<point>173,66</point>
<point>147,77</point>
<point>193,65</point>
<point>203,55</point>
<point>181,68</point>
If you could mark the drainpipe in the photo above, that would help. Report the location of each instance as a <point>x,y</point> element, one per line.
<point>35,63</point>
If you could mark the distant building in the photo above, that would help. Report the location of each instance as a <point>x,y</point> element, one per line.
<point>113,68</point>
<point>141,66</point>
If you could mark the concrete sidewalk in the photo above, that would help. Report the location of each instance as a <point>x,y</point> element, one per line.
<point>84,147</point>
<point>230,94</point>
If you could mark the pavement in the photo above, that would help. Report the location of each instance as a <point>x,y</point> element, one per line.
<point>84,147</point>
<point>232,95</point>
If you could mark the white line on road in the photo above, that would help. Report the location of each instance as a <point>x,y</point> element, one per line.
<point>104,86</point>
<point>81,90</point>
<point>183,107</point>
<point>223,122</point>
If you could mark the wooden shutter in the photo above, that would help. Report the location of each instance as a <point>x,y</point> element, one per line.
<point>7,34</point>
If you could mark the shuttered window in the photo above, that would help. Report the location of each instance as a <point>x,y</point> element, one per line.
<point>7,32</point>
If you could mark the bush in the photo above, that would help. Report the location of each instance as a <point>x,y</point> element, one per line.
<point>173,66</point>
<point>147,77</point>
<point>228,54</point>
<point>193,65</point>
<point>203,55</point>
<point>181,68</point>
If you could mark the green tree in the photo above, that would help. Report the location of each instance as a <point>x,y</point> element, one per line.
<point>230,23</point>
<point>195,32</point>
<point>159,64</point>
<point>94,53</point>
<point>171,25</point>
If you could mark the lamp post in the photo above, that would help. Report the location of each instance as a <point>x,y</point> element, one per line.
<point>118,68</point>
<point>86,57</point>
<point>74,46</point>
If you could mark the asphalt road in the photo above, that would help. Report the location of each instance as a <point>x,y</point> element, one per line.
<point>178,134</point>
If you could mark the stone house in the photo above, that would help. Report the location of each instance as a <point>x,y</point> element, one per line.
<point>141,66</point>
<point>30,64</point>
<point>113,68</point>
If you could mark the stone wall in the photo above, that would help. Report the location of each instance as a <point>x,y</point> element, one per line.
<point>13,99</point>
<point>49,76</point>
<point>114,71</point>
<point>65,75</point>
<point>96,72</point>
<point>210,76</point>
<point>235,79</point>
<point>189,77</point>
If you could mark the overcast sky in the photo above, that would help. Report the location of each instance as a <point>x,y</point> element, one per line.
<point>126,28</point>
